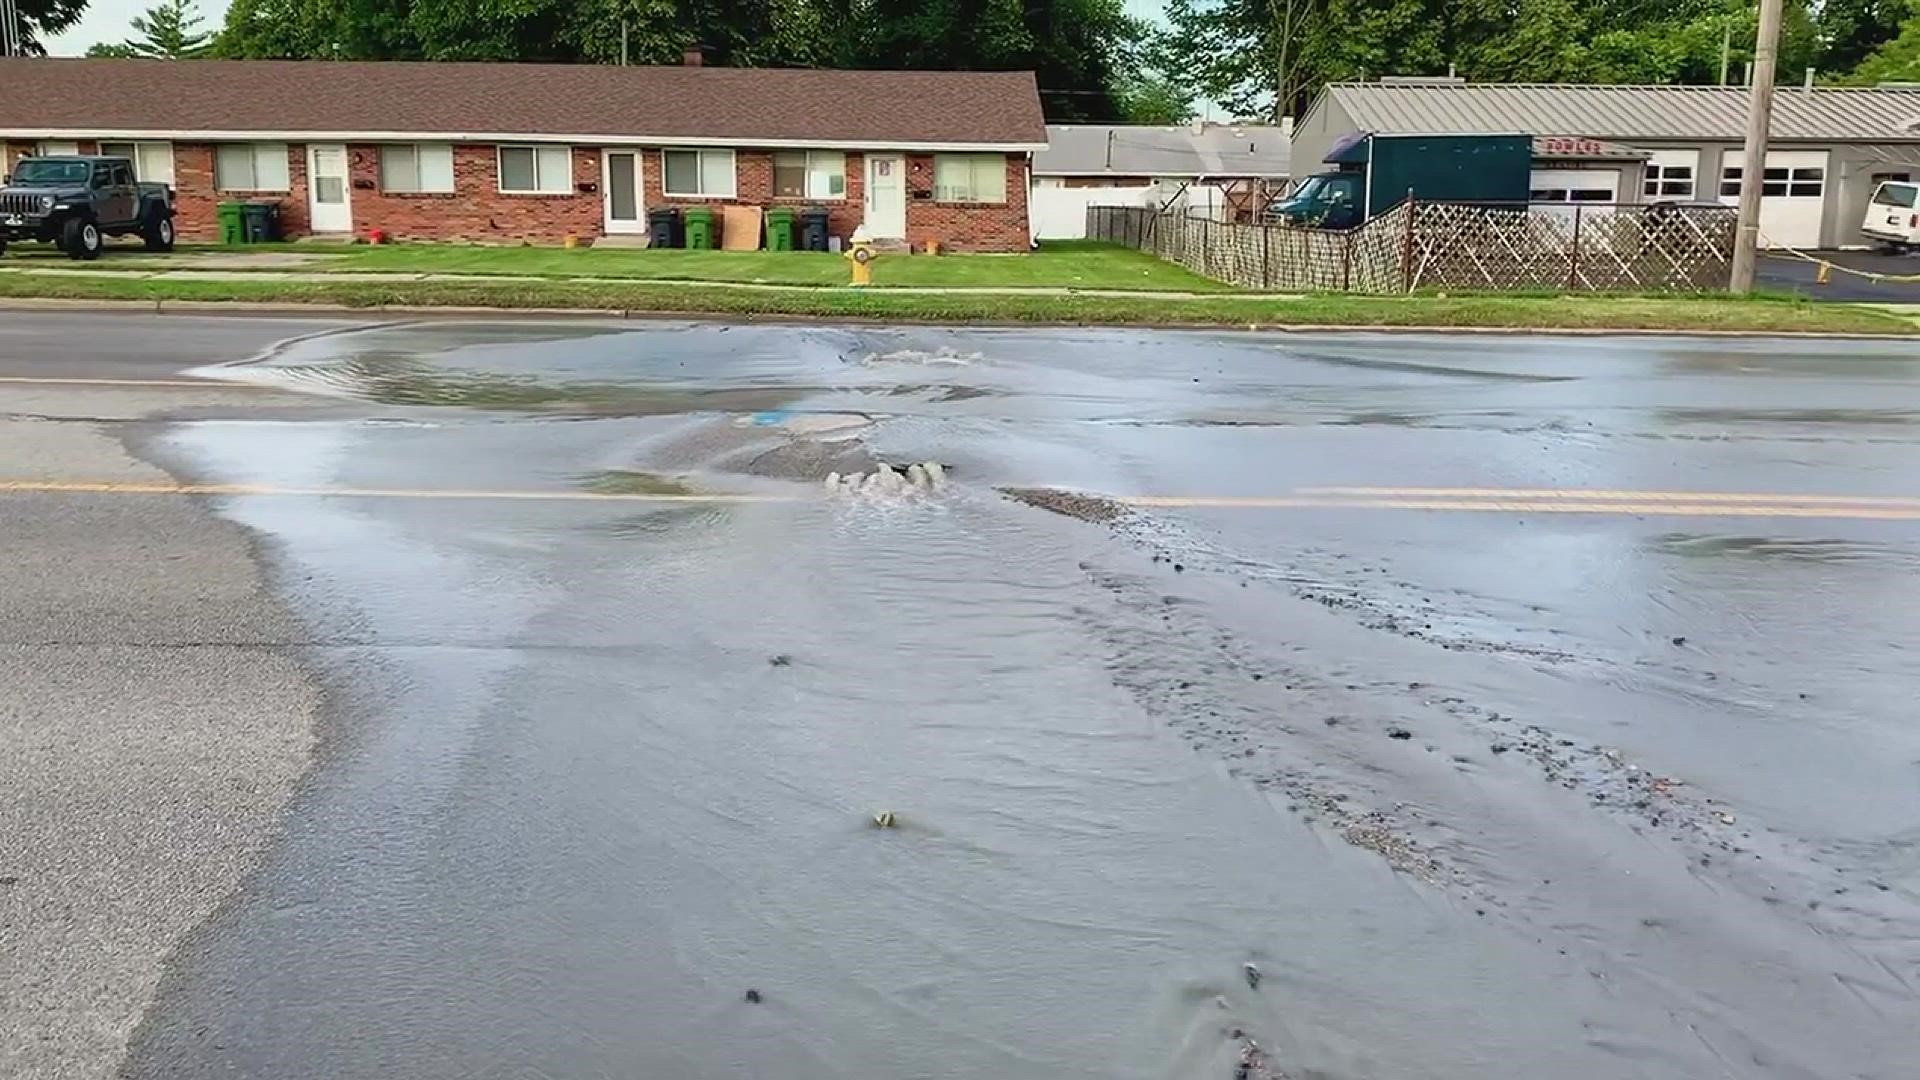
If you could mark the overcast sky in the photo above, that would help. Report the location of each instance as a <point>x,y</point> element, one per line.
<point>106,20</point>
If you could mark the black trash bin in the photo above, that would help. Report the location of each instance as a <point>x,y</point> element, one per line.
<point>663,227</point>
<point>261,222</point>
<point>813,229</point>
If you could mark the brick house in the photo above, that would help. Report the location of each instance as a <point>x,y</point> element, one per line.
<point>533,153</point>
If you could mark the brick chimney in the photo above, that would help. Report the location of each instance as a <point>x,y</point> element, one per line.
<point>695,56</point>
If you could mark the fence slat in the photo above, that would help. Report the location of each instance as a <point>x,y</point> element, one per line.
<point>1447,245</point>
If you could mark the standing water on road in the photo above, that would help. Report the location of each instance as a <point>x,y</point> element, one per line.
<point>1348,707</point>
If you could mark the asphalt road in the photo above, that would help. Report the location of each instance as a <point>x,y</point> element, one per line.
<point>1858,276</point>
<point>1349,706</point>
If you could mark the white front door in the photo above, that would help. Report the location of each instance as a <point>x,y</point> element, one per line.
<point>328,205</point>
<point>1792,196</point>
<point>620,179</point>
<point>886,196</point>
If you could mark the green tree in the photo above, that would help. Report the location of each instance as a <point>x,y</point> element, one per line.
<point>170,30</point>
<point>1147,98</point>
<point>1851,30</point>
<point>40,19</point>
<point>1897,60</point>
<point>316,30</point>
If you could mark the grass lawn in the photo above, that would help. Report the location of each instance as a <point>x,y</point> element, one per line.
<point>1762,315</point>
<point>1065,265</point>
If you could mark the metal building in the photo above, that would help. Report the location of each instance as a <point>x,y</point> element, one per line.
<point>1829,148</point>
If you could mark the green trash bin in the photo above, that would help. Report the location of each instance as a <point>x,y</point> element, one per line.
<point>699,221</point>
<point>780,228</point>
<point>233,222</point>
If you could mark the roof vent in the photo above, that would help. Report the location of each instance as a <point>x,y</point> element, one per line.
<point>1423,80</point>
<point>695,56</point>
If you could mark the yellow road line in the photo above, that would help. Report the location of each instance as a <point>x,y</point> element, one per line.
<point>54,380</point>
<point>76,487</point>
<point>1530,506</point>
<point>1639,504</point>
<point>1607,495</point>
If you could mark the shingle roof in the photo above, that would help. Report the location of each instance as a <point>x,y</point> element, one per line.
<point>859,108</point>
<point>1630,112</point>
<point>1215,150</point>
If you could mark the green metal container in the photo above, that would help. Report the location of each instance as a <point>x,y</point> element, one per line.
<point>700,231</point>
<point>780,228</point>
<point>233,222</point>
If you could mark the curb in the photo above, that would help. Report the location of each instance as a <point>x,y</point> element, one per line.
<point>303,308</point>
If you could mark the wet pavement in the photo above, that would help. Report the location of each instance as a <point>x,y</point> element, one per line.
<point>1514,706</point>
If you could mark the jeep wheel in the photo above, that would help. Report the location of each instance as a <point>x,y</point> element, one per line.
<point>81,239</point>
<point>158,232</point>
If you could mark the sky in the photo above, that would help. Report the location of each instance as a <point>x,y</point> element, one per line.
<point>106,20</point>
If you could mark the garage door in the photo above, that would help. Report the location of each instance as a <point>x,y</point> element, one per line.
<point>1792,197</point>
<point>1576,185</point>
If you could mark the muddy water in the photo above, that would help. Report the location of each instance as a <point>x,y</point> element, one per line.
<point>1477,795</point>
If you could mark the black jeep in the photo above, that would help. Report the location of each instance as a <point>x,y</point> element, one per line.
<point>76,201</point>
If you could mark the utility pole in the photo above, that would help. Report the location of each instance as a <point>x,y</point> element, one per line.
<point>10,43</point>
<point>1746,238</point>
<point>623,43</point>
<point>1726,52</point>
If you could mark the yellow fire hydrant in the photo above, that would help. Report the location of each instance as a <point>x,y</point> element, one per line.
<point>861,254</point>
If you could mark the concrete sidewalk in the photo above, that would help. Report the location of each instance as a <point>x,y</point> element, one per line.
<point>282,275</point>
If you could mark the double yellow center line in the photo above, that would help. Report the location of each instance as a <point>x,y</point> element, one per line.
<point>1436,499</point>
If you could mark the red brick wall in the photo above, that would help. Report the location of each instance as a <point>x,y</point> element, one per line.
<point>957,226</point>
<point>195,201</point>
<point>478,212</point>
<point>967,226</point>
<point>753,186</point>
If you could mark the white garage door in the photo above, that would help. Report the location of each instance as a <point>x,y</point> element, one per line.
<point>1792,196</point>
<point>1576,185</point>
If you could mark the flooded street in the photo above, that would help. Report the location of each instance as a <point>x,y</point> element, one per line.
<point>1349,707</point>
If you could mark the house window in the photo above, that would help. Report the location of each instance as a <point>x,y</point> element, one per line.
<point>1667,181</point>
<point>250,167</point>
<point>152,161</point>
<point>975,178</point>
<point>815,174</point>
<point>57,149</point>
<point>536,170</point>
<point>697,173</point>
<point>410,168</point>
<point>1798,182</point>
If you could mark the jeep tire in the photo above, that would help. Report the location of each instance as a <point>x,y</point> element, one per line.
<point>157,231</point>
<point>80,238</point>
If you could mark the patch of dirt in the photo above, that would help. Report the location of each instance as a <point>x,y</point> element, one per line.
<point>1096,509</point>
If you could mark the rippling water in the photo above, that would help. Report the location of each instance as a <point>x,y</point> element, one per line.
<point>597,769</point>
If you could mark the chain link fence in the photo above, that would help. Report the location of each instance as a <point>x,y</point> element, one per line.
<point>1580,247</point>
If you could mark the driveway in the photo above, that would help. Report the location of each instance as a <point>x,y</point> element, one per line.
<point>1790,274</point>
